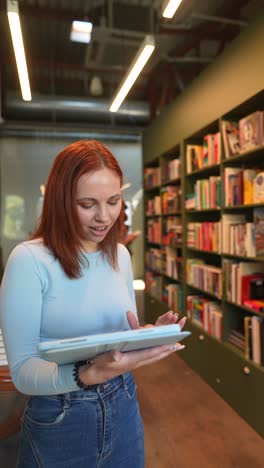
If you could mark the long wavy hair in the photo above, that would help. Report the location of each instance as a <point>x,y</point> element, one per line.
<point>59,225</point>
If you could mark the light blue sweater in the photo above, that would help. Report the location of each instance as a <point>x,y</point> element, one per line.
<point>38,301</point>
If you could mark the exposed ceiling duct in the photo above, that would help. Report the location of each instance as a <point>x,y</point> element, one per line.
<point>37,130</point>
<point>65,109</point>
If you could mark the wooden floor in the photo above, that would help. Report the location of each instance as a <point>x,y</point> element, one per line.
<point>187,425</point>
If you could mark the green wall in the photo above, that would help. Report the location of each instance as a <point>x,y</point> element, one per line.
<point>236,75</point>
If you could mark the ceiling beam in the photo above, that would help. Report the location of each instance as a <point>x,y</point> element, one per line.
<point>200,32</point>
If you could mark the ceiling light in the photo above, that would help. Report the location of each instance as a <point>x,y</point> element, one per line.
<point>17,39</point>
<point>142,56</point>
<point>139,285</point>
<point>171,8</point>
<point>81,31</point>
<point>96,87</point>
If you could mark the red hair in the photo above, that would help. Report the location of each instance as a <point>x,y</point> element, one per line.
<point>59,226</point>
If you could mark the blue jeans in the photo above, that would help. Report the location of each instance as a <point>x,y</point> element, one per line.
<point>100,428</point>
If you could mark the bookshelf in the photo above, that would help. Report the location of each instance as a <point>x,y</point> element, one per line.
<point>218,221</point>
<point>163,241</point>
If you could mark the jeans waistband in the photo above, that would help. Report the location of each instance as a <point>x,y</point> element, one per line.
<point>104,389</point>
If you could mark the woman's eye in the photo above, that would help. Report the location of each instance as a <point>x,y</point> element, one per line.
<point>112,203</point>
<point>86,207</point>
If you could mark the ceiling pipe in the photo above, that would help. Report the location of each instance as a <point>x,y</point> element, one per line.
<point>66,109</point>
<point>188,59</point>
<point>219,19</point>
<point>35,130</point>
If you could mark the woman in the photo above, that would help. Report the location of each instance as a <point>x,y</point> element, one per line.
<point>74,278</point>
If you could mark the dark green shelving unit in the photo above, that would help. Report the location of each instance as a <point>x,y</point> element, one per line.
<point>229,89</point>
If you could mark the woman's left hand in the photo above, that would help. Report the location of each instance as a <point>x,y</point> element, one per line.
<point>112,363</point>
<point>166,319</point>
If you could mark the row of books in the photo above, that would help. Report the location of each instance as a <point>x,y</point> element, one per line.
<point>172,230</point>
<point>239,189</point>
<point>204,236</point>
<point>153,284</point>
<point>207,154</point>
<point>238,238</point>
<point>243,238</point>
<point>164,261</point>
<point>154,230</point>
<point>204,276</point>
<point>237,338</point>
<point>152,177</point>
<point>171,199</point>
<point>173,296</point>
<point>154,259</point>
<point>206,314</point>
<point>168,202</point>
<point>171,170</point>
<point>243,186</point>
<point>207,194</point>
<point>171,263</point>
<point>244,283</point>
<point>170,293</point>
<point>232,235</point>
<point>243,135</point>
<point>250,340</point>
<point>190,201</point>
<point>154,206</point>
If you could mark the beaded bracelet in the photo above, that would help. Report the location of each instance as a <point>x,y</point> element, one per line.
<point>77,379</point>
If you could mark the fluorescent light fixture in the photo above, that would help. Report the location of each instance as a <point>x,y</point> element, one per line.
<point>142,56</point>
<point>81,31</point>
<point>171,8</point>
<point>17,39</point>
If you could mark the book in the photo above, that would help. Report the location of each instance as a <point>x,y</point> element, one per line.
<point>256,349</point>
<point>248,183</point>
<point>237,339</point>
<point>194,158</point>
<point>250,240</point>
<point>262,340</point>
<point>256,288</point>
<point>248,337</point>
<point>251,131</point>
<point>230,133</point>
<point>258,215</point>
<point>229,221</point>
<point>258,188</point>
<point>255,305</point>
<point>217,147</point>
<point>233,184</point>
<point>250,289</point>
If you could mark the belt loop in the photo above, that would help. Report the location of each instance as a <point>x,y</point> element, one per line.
<point>67,401</point>
<point>123,380</point>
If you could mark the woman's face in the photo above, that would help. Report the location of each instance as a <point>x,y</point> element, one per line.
<point>99,203</point>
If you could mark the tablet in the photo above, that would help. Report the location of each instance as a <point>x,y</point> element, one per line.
<point>70,350</point>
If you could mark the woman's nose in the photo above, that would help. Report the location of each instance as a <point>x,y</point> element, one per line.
<point>102,214</point>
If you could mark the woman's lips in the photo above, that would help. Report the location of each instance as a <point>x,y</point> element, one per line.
<point>98,231</point>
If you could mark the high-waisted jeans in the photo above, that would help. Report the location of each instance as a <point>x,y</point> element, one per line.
<point>99,428</point>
